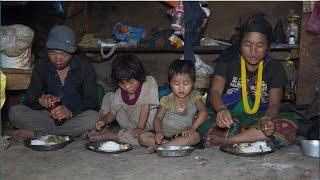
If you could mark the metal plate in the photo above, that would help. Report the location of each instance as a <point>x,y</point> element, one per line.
<point>94,146</point>
<point>174,151</point>
<point>53,147</point>
<point>231,150</point>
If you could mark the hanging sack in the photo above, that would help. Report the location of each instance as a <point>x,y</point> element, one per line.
<point>15,39</point>
<point>313,22</point>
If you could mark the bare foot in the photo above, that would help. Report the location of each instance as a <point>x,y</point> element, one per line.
<point>84,136</point>
<point>105,134</point>
<point>22,134</point>
<point>5,143</point>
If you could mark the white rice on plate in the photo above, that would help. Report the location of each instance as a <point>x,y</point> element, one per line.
<point>109,146</point>
<point>259,146</point>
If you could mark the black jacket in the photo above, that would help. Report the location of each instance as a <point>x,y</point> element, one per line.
<point>79,92</point>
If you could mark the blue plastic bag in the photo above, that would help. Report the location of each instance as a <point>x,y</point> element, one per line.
<point>125,33</point>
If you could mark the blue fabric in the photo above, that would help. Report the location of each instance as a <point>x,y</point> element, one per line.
<point>164,90</point>
<point>135,33</point>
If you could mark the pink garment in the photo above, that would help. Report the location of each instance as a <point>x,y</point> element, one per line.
<point>127,100</point>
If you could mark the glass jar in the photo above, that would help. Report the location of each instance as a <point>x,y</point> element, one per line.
<point>293,27</point>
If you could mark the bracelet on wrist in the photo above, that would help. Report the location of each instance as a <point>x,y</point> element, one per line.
<point>222,109</point>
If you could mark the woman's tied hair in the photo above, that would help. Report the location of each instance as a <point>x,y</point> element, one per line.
<point>257,23</point>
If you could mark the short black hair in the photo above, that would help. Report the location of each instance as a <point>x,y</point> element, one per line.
<point>126,67</point>
<point>182,67</point>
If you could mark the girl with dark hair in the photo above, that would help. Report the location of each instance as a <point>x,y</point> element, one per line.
<point>133,105</point>
<point>246,93</point>
<point>175,122</point>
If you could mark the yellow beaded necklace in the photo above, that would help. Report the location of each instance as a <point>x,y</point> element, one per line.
<point>256,105</point>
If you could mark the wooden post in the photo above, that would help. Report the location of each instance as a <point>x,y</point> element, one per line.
<point>309,67</point>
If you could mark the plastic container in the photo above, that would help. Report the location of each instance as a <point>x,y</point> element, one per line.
<point>310,148</point>
<point>178,20</point>
<point>293,26</point>
<point>54,104</point>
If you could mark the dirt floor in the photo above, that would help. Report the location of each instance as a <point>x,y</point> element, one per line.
<point>76,162</point>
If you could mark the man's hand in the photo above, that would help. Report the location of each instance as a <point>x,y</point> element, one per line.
<point>268,127</point>
<point>158,137</point>
<point>224,118</point>
<point>136,132</point>
<point>61,112</point>
<point>45,100</point>
<point>188,132</point>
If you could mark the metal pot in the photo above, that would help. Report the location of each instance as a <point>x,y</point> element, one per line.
<point>310,148</point>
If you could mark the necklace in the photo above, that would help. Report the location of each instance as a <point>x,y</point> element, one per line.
<point>180,108</point>
<point>256,105</point>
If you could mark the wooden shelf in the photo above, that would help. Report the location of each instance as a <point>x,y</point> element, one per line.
<point>17,79</point>
<point>197,49</point>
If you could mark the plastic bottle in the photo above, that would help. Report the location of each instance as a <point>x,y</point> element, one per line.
<point>178,20</point>
<point>293,25</point>
<point>292,39</point>
<point>54,104</point>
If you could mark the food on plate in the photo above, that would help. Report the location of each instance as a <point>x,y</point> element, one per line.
<point>113,146</point>
<point>256,147</point>
<point>49,140</point>
<point>56,139</point>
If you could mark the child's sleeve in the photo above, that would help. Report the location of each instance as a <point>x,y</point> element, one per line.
<point>198,95</point>
<point>149,92</point>
<point>109,101</point>
<point>164,101</point>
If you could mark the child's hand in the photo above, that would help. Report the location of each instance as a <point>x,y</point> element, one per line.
<point>158,137</point>
<point>188,132</point>
<point>100,124</point>
<point>136,132</point>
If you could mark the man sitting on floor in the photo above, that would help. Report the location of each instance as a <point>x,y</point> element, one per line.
<point>63,77</point>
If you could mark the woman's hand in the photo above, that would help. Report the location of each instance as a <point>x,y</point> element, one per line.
<point>136,132</point>
<point>158,137</point>
<point>188,132</point>
<point>45,100</point>
<point>268,127</point>
<point>224,118</point>
<point>100,124</point>
<point>61,112</point>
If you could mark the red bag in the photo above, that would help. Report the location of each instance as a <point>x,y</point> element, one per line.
<point>313,22</point>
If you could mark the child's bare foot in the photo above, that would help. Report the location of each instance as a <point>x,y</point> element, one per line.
<point>84,136</point>
<point>5,143</point>
<point>152,149</point>
<point>105,134</point>
<point>22,134</point>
